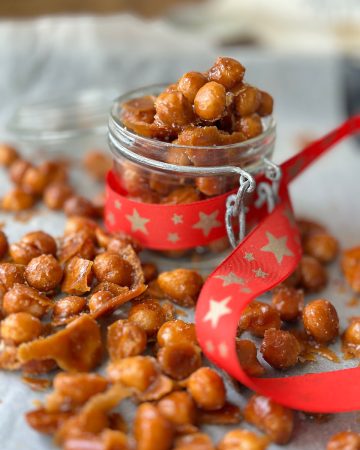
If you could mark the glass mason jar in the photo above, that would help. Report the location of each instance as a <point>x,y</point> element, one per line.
<point>153,171</point>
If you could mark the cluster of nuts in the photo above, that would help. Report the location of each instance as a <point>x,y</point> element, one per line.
<point>209,109</point>
<point>49,182</point>
<point>98,273</point>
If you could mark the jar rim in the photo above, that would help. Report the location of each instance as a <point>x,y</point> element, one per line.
<point>115,125</point>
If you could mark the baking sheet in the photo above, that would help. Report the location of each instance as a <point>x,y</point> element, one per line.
<point>308,95</point>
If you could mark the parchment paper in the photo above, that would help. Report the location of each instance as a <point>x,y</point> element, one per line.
<point>53,56</point>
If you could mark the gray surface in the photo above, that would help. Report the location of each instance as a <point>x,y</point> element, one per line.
<point>55,57</point>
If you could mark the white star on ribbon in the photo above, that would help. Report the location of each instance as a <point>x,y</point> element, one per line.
<point>138,223</point>
<point>249,257</point>
<point>277,246</point>
<point>117,204</point>
<point>217,309</point>
<point>207,222</point>
<point>209,347</point>
<point>173,237</point>
<point>111,218</point>
<point>230,278</point>
<point>260,273</point>
<point>223,350</point>
<point>177,218</point>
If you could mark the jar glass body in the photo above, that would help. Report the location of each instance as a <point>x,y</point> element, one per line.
<point>153,171</point>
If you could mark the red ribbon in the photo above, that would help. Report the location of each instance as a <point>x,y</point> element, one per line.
<point>267,256</point>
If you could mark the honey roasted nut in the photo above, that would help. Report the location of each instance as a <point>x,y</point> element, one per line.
<point>190,83</point>
<point>79,206</point>
<point>258,317</point>
<point>44,273</point>
<point>207,389</point>
<point>17,170</point>
<point>288,302</point>
<point>137,372</point>
<point>173,109</point>
<point>151,429</point>
<point>17,200</point>
<point>21,298</point>
<point>274,419</point>
<point>175,332</point>
<point>181,285</point>
<point>68,307</point>
<point>321,246</point>
<point>8,155</point>
<point>227,71</point>
<point>32,245</point>
<point>98,300</point>
<point>125,339</point>
<point>179,360</point>
<point>194,441</point>
<point>77,276</point>
<point>210,101</point>
<point>179,408</point>
<point>149,316</point>
<point>313,274</point>
<point>247,101</point>
<point>20,327</point>
<point>80,244</point>
<point>321,321</point>
<point>345,440</point>
<point>56,194</point>
<point>243,440</point>
<point>113,268</point>
<point>10,274</point>
<point>350,264</point>
<point>280,348</point>
<point>247,354</point>
<point>97,163</point>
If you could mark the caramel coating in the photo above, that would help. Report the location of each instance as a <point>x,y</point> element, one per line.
<point>17,200</point>
<point>247,101</point>
<point>55,171</point>
<point>8,155</point>
<point>21,298</point>
<point>288,302</point>
<point>56,194</point>
<point>151,429</point>
<point>17,170</point>
<point>138,372</point>
<point>77,276</point>
<point>247,354</point>
<point>173,109</point>
<point>351,337</point>
<point>227,71</point>
<point>251,126</point>
<point>321,246</point>
<point>350,264</point>
<point>10,274</point>
<point>72,390</point>
<point>211,185</point>
<point>149,316</point>
<point>280,348</point>
<point>32,245</point>
<point>76,348</point>
<point>199,137</point>
<point>175,332</point>
<point>313,274</point>
<point>97,163</point>
<point>243,440</point>
<point>190,83</point>
<point>98,300</point>
<point>259,317</point>
<point>182,285</point>
<point>178,407</point>
<point>182,195</point>
<point>266,104</point>
<point>44,273</point>
<point>274,419</point>
<point>345,440</point>
<point>4,245</point>
<point>179,360</point>
<point>79,206</point>
<point>80,244</point>
<point>113,268</point>
<point>207,389</point>
<point>210,101</point>
<point>20,327</point>
<point>46,422</point>
<point>321,321</point>
<point>69,306</point>
<point>125,339</point>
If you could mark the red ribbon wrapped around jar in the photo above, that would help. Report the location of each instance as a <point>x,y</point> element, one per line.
<point>260,261</point>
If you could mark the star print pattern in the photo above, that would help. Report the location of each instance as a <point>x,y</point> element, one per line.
<point>230,278</point>
<point>177,219</point>
<point>207,222</point>
<point>259,273</point>
<point>277,246</point>
<point>138,223</point>
<point>217,309</point>
<point>173,237</point>
<point>117,204</point>
<point>223,350</point>
<point>249,257</point>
